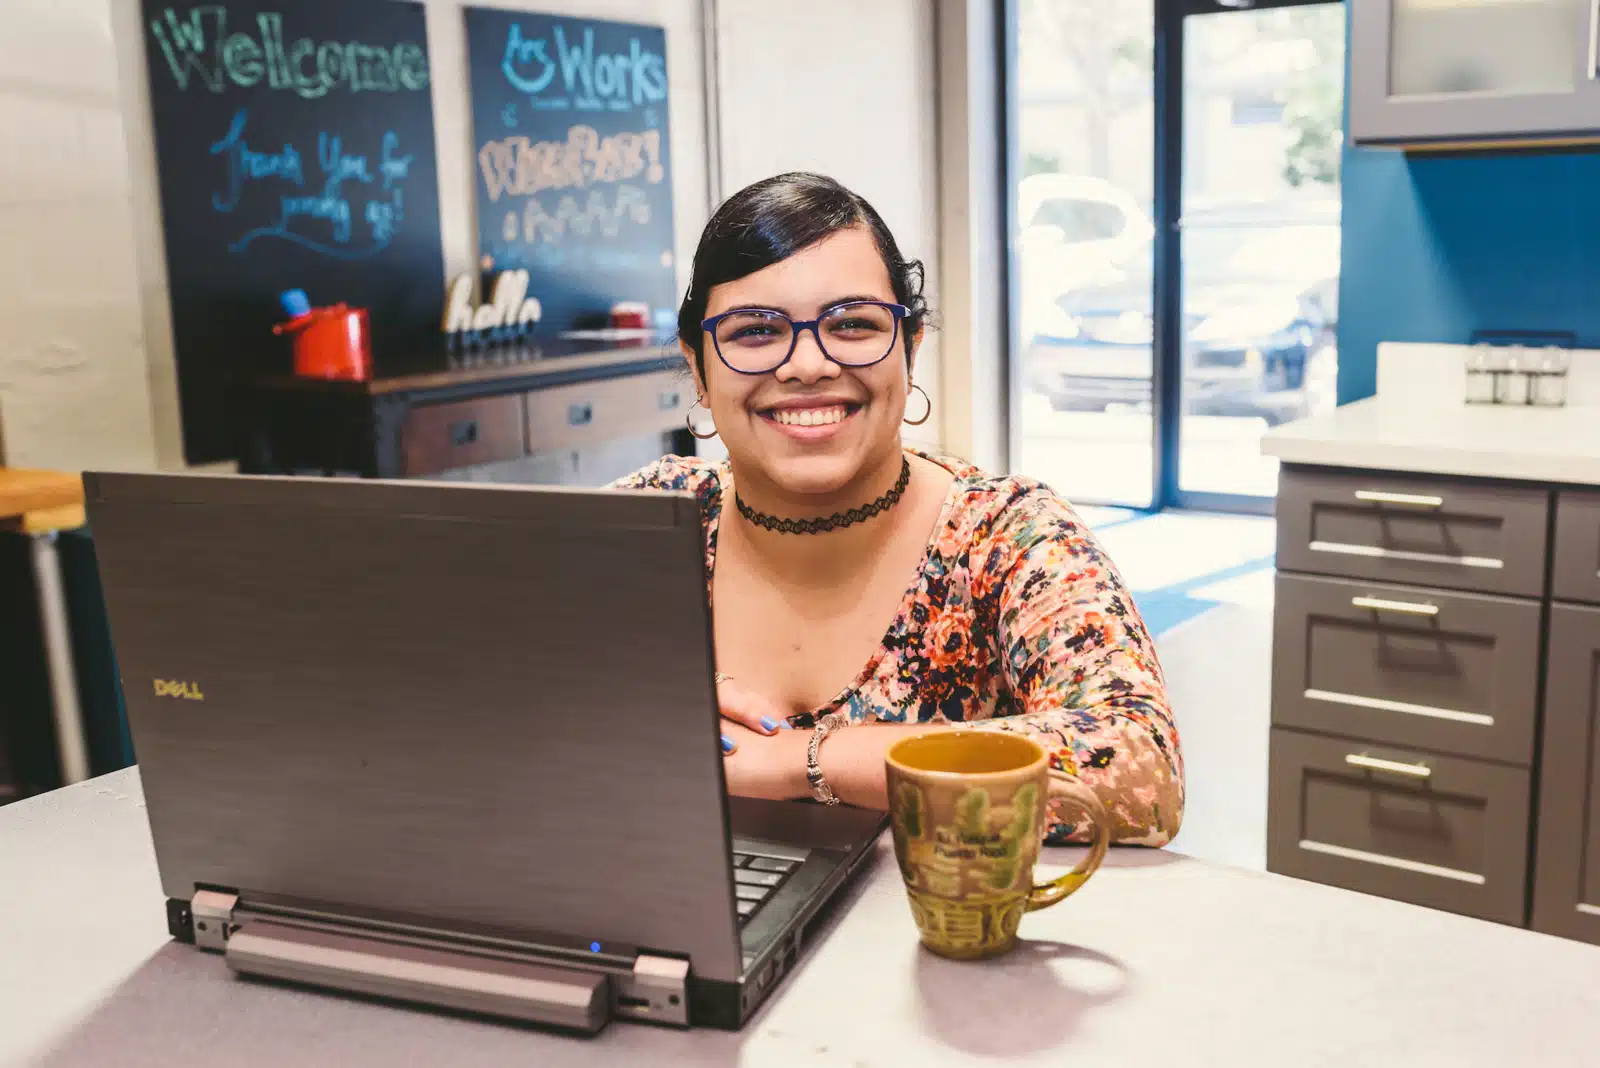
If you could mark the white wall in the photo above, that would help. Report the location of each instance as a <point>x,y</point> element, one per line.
<point>74,383</point>
<point>844,88</point>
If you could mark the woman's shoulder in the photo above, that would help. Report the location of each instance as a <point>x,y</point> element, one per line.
<point>985,495</point>
<point>990,511</point>
<point>693,474</point>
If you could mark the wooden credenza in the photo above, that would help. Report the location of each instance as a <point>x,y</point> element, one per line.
<point>454,411</point>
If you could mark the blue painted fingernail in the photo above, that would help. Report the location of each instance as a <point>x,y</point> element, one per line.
<point>768,723</point>
<point>727,744</point>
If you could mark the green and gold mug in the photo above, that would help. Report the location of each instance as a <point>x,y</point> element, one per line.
<point>968,810</point>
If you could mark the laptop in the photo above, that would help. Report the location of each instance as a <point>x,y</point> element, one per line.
<point>453,745</point>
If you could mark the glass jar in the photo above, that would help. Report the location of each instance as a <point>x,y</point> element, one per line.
<point>1511,381</point>
<point>1480,365</point>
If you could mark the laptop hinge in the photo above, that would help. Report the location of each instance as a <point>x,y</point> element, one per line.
<point>431,970</point>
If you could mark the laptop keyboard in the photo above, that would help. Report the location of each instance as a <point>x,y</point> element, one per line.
<point>756,879</point>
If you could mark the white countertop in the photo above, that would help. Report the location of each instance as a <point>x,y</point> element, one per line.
<point>1534,444</point>
<point>1161,960</point>
<point>1418,422</point>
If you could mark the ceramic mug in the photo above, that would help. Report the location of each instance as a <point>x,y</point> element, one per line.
<point>968,809</point>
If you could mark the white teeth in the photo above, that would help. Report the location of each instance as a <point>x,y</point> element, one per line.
<point>809,416</point>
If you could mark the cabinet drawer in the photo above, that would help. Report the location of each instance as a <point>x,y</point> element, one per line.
<point>571,416</point>
<point>1452,672</point>
<point>1575,574</point>
<point>1439,831</point>
<point>442,437</point>
<point>1402,528</point>
<point>1566,880</point>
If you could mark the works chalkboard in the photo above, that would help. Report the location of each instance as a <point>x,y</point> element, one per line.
<point>295,145</point>
<point>573,162</point>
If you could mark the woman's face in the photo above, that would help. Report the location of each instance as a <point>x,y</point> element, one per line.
<point>812,426</point>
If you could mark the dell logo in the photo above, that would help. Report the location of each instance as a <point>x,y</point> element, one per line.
<point>189,691</point>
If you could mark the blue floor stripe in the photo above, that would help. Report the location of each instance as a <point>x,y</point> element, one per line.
<point>1165,607</point>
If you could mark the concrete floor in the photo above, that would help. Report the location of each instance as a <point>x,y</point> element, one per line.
<point>1204,585</point>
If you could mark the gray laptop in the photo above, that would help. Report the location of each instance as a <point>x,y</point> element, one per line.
<point>452,745</point>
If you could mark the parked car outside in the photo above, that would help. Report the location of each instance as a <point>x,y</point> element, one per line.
<point>1260,304</point>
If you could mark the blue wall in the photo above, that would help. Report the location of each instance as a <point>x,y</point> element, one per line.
<point>1437,247</point>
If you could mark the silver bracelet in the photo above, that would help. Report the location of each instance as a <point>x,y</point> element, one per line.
<point>819,785</point>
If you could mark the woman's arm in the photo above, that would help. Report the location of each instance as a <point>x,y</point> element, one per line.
<point>1083,667</point>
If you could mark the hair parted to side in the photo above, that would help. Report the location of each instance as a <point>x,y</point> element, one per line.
<point>775,218</point>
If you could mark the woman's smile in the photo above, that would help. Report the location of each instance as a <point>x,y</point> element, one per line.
<point>809,420</point>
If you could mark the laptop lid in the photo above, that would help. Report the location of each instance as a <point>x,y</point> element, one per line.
<point>484,706</point>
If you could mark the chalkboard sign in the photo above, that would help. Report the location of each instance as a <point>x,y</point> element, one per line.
<point>296,151</point>
<point>574,176</point>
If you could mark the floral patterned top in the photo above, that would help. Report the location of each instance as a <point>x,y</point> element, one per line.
<point>1015,621</point>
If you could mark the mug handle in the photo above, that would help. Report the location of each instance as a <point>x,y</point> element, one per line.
<point>1064,787</point>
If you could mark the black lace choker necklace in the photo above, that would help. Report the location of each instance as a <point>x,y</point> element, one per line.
<point>835,521</point>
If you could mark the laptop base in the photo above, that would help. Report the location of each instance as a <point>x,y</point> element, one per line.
<point>489,978</point>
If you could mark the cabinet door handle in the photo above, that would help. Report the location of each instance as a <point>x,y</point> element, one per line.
<point>580,414</point>
<point>1361,760</point>
<point>669,401</point>
<point>1411,500</point>
<point>1411,608</point>
<point>464,432</point>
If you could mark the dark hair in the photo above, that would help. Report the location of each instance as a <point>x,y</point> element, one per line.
<point>775,218</point>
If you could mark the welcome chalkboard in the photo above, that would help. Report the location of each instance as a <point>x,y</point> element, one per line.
<point>574,175</point>
<point>295,146</point>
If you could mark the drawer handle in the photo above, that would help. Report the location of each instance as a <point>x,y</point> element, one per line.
<point>580,414</point>
<point>1410,608</point>
<point>1411,500</point>
<point>1378,552</point>
<point>668,401</point>
<point>1361,760</point>
<point>464,433</point>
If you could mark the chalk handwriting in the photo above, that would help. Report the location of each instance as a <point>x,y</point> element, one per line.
<point>325,222</point>
<point>248,165</point>
<point>520,54</point>
<point>616,81</point>
<point>198,45</point>
<point>537,224</point>
<point>339,167</point>
<point>393,168</point>
<point>516,166</point>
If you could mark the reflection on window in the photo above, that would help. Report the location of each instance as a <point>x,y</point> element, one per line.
<point>1085,119</point>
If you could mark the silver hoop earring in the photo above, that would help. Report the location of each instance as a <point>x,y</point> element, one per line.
<point>926,414</point>
<point>688,421</point>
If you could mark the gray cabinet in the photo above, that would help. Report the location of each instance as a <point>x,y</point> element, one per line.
<point>1451,834</point>
<point>1449,672</point>
<point>1429,73</point>
<point>1575,572</point>
<point>1419,620</point>
<point>1566,890</point>
<point>1414,530</point>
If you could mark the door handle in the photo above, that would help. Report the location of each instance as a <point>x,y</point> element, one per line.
<point>1361,760</point>
<point>580,414</point>
<point>1378,604</point>
<point>1412,500</point>
<point>669,401</point>
<point>464,432</point>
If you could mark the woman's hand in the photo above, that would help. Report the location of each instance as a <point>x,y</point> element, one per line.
<point>750,710</point>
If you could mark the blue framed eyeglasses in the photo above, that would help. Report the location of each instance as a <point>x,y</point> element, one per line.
<point>757,341</point>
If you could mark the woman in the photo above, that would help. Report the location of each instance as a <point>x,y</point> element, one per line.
<point>973,601</point>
